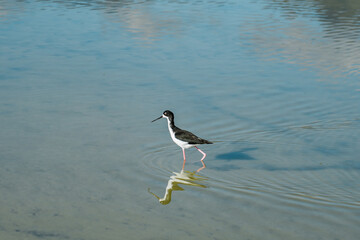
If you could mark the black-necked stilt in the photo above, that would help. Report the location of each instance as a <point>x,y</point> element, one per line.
<point>183,138</point>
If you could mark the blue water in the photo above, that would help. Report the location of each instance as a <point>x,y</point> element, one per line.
<point>274,84</point>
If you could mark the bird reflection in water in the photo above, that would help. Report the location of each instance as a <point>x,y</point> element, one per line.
<point>184,177</point>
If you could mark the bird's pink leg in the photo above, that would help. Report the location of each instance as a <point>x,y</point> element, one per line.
<point>184,159</point>
<point>202,159</point>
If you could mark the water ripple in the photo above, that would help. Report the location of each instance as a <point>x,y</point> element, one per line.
<point>330,46</point>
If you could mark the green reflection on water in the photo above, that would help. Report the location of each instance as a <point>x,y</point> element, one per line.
<point>184,177</point>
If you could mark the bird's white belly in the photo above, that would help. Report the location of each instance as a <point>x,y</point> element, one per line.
<point>180,143</point>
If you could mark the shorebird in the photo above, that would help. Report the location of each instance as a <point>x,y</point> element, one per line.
<point>183,138</point>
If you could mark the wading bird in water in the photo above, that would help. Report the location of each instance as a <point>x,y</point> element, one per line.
<point>183,138</point>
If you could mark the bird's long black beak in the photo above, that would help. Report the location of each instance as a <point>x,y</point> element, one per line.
<point>156,119</point>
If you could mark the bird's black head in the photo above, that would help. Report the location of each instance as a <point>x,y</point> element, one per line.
<point>166,114</point>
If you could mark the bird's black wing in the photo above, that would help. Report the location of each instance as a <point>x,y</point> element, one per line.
<point>189,137</point>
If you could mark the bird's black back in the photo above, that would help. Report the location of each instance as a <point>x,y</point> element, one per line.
<point>189,137</point>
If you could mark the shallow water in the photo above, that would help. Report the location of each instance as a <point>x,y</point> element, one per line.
<point>275,84</point>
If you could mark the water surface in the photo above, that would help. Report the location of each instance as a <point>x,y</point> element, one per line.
<point>275,84</point>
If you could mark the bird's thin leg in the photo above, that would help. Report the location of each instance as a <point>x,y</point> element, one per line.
<point>202,159</point>
<point>184,158</point>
